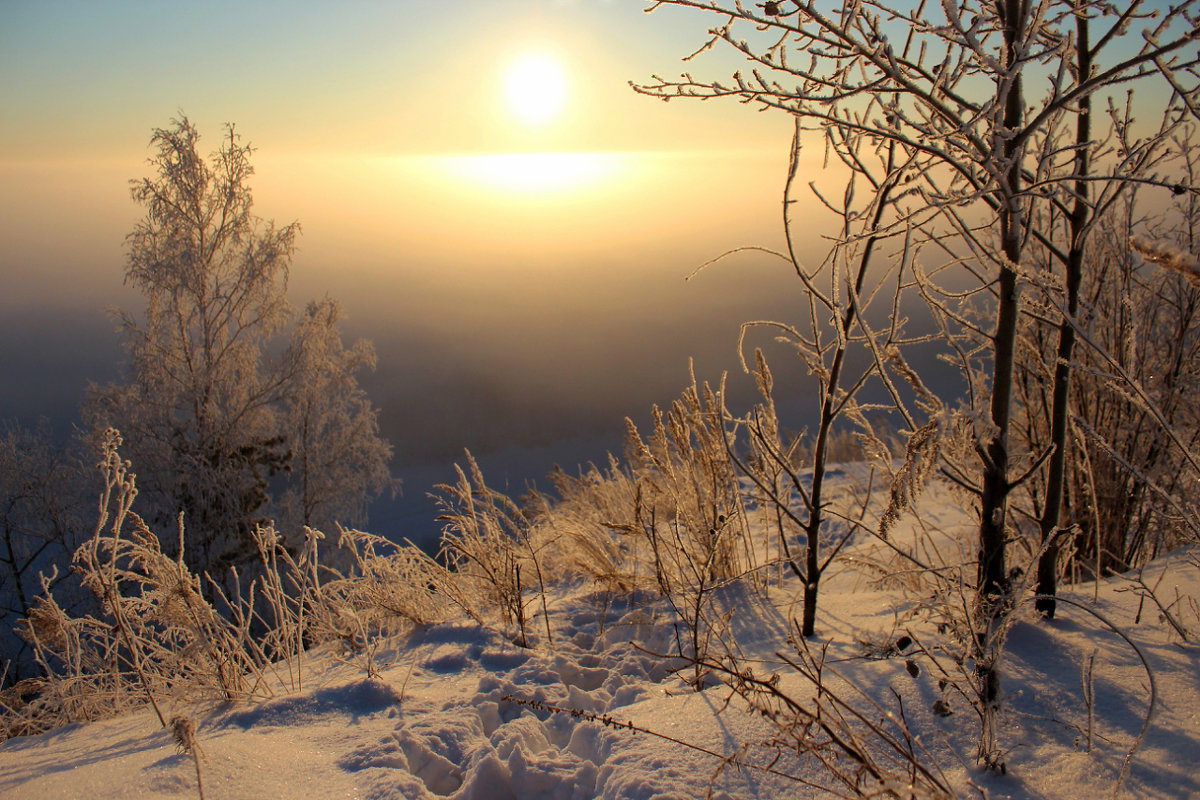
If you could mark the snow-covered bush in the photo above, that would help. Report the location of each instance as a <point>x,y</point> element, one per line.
<point>162,633</point>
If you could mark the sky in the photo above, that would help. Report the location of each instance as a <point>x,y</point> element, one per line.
<point>496,209</point>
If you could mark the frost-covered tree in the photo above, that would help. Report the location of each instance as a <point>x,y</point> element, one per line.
<point>841,291</point>
<point>199,410</point>
<point>975,94</point>
<point>339,461</point>
<point>207,407</point>
<point>987,102</point>
<point>1129,476</point>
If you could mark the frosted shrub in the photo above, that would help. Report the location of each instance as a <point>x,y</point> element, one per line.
<point>84,677</point>
<point>155,634</point>
<point>688,501</point>
<point>590,528</point>
<point>390,581</point>
<point>486,544</point>
<point>689,510</point>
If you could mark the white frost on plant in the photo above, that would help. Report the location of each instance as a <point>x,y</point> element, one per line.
<point>1169,255</point>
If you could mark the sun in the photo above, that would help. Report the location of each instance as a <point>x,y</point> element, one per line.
<point>535,88</point>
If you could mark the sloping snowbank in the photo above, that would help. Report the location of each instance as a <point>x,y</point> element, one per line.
<point>458,711</point>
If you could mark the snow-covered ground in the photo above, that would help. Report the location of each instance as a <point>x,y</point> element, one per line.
<point>439,713</point>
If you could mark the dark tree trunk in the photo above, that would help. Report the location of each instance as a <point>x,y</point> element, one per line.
<point>993,571</point>
<point>1047,568</point>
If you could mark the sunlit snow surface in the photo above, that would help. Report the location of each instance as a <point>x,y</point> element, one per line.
<point>435,722</point>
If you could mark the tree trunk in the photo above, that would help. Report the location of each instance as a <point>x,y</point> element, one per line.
<point>993,571</point>
<point>1047,569</point>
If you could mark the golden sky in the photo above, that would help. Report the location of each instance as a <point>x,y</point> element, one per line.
<point>411,126</point>
<point>476,182</point>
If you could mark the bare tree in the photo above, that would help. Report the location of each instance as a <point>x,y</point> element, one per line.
<point>1126,493</point>
<point>1095,214</point>
<point>841,290</point>
<point>41,497</point>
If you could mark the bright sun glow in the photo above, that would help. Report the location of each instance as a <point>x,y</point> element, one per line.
<point>535,88</point>
<point>535,172</point>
